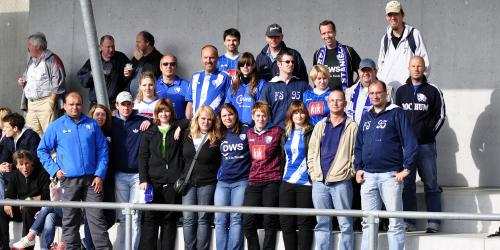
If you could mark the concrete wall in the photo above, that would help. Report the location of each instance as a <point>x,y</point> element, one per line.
<point>461,39</point>
<point>13,30</point>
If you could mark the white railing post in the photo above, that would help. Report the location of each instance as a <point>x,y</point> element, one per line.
<point>372,221</point>
<point>128,227</point>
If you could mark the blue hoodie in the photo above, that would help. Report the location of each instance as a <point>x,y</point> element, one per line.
<point>81,148</point>
<point>125,140</point>
<point>385,141</point>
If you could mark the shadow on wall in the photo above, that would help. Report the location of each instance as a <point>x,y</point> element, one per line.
<point>447,148</point>
<point>485,143</point>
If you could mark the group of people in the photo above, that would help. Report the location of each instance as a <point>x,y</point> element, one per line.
<point>243,131</point>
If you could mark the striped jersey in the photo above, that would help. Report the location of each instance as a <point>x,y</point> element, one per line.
<point>228,64</point>
<point>146,108</point>
<point>317,104</point>
<point>208,89</point>
<point>296,162</point>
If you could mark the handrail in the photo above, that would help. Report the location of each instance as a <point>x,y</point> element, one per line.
<point>371,215</point>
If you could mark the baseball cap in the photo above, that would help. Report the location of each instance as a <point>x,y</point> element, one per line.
<point>367,63</point>
<point>124,96</point>
<point>393,7</point>
<point>274,30</point>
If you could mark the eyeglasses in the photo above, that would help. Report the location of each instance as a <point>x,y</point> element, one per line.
<point>245,65</point>
<point>165,64</point>
<point>288,61</point>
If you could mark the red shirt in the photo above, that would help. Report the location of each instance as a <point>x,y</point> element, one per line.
<point>265,149</point>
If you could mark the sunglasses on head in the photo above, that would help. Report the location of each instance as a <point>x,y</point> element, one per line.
<point>173,64</point>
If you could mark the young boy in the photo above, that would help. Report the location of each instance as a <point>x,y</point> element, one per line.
<point>27,182</point>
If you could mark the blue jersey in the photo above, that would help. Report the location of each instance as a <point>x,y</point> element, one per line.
<point>227,64</point>
<point>296,163</point>
<point>176,92</point>
<point>208,89</point>
<point>236,160</point>
<point>317,105</point>
<point>243,101</point>
<point>279,95</point>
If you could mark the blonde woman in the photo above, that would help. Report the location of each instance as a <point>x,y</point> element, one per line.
<point>203,135</point>
<point>146,98</point>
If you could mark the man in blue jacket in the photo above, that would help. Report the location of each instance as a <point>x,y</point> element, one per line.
<point>384,156</point>
<point>267,63</point>
<point>124,150</point>
<point>424,104</point>
<point>82,160</point>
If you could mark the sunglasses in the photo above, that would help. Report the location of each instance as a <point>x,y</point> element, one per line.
<point>245,65</point>
<point>288,61</point>
<point>165,64</point>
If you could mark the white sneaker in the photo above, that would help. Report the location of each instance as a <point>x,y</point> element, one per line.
<point>24,243</point>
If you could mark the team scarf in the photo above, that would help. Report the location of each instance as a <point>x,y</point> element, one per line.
<point>343,63</point>
<point>351,111</point>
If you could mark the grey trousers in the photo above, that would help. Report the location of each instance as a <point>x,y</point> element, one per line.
<point>80,189</point>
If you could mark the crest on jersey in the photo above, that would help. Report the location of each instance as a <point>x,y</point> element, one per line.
<point>268,139</point>
<point>421,97</point>
<point>243,137</point>
<point>177,89</point>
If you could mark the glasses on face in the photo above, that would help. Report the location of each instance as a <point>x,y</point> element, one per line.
<point>241,65</point>
<point>288,61</point>
<point>165,64</point>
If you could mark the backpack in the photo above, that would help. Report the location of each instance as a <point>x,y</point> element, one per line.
<point>410,38</point>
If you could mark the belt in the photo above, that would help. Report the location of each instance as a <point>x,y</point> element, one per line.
<point>37,99</point>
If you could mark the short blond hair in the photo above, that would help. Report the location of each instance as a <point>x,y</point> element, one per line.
<point>316,69</point>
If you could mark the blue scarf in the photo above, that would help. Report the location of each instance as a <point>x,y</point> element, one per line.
<point>351,111</point>
<point>343,63</point>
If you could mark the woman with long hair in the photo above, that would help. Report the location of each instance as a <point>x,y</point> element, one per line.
<point>146,98</point>
<point>295,188</point>
<point>160,165</point>
<point>203,135</point>
<point>246,87</point>
<point>232,178</point>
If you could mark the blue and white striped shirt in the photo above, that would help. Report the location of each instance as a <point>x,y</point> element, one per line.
<point>296,162</point>
<point>208,89</point>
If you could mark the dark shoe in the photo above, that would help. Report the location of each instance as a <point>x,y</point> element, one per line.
<point>430,230</point>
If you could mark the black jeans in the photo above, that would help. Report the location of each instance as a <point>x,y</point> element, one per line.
<point>167,220</point>
<point>261,195</point>
<point>25,215</point>
<point>299,196</point>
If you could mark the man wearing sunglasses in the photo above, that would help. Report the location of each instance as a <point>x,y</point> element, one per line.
<point>170,85</point>
<point>267,66</point>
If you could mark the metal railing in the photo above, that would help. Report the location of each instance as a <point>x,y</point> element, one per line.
<point>372,216</point>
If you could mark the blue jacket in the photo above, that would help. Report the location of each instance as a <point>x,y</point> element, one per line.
<point>125,141</point>
<point>279,95</point>
<point>81,148</point>
<point>268,69</point>
<point>385,141</point>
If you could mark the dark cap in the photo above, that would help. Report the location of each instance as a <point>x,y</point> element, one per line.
<point>274,30</point>
<point>367,63</point>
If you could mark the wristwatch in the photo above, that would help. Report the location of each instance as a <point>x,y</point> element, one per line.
<point>407,171</point>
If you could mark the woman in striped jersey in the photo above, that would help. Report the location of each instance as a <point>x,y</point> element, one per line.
<point>295,188</point>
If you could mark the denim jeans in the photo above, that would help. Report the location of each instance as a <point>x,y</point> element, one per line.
<point>427,170</point>
<point>126,187</point>
<point>4,177</point>
<point>378,188</point>
<point>45,225</point>
<point>196,228</point>
<point>336,195</point>
<point>228,227</point>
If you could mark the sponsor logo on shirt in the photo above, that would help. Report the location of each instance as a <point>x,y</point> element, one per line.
<point>316,108</point>
<point>241,99</point>
<point>258,152</point>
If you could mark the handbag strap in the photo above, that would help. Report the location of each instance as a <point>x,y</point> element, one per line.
<point>196,157</point>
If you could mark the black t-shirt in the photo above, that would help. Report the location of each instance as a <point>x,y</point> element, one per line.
<point>333,65</point>
<point>395,40</point>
